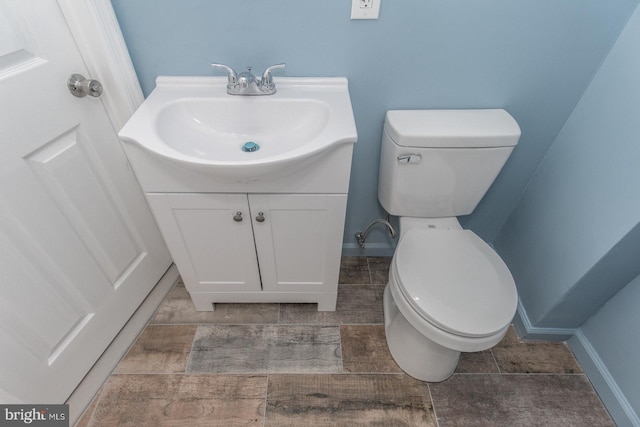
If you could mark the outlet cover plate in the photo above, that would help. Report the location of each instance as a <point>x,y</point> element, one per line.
<point>365,9</point>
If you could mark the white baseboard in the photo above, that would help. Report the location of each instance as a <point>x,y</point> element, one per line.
<point>99,373</point>
<point>613,398</point>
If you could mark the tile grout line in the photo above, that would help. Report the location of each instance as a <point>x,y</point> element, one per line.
<point>254,373</point>
<point>266,395</point>
<point>493,356</point>
<point>193,343</point>
<point>340,344</point>
<point>95,407</point>
<point>369,270</point>
<point>284,325</point>
<point>522,374</point>
<point>433,405</point>
<point>279,314</point>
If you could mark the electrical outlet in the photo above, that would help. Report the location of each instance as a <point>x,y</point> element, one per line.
<point>365,9</point>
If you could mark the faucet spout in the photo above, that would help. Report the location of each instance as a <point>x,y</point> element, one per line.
<point>247,79</point>
<point>246,83</point>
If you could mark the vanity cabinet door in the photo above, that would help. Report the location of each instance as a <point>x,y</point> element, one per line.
<point>298,240</point>
<point>210,239</point>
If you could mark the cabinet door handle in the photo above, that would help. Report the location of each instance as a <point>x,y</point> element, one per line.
<point>238,217</point>
<point>260,217</point>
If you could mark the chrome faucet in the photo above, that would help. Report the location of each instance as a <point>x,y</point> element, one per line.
<point>246,83</point>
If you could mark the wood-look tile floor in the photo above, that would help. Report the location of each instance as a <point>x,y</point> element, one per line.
<point>290,365</point>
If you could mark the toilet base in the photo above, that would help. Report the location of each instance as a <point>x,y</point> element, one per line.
<point>414,353</point>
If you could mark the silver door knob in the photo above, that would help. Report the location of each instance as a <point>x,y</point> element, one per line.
<point>260,217</point>
<point>80,86</point>
<point>238,217</point>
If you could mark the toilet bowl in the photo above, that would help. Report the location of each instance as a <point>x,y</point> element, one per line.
<point>448,292</point>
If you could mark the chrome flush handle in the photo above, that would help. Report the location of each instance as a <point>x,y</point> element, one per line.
<point>409,158</point>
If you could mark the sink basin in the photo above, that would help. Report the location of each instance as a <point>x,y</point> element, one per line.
<point>217,128</point>
<point>193,122</point>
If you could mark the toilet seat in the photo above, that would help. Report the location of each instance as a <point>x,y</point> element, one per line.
<point>455,281</point>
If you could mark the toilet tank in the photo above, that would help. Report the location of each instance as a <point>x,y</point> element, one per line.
<point>440,163</point>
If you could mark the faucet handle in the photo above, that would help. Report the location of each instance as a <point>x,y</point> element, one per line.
<point>267,79</point>
<point>232,78</point>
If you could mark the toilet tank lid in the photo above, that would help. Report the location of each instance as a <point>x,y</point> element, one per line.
<point>452,128</point>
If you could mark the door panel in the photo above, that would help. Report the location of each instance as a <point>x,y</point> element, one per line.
<point>213,252</point>
<point>79,250</point>
<point>46,314</point>
<point>299,242</point>
<point>66,170</point>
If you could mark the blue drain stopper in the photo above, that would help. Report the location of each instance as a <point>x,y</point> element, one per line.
<point>250,147</point>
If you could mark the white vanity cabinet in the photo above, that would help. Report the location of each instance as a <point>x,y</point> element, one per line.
<point>248,226</point>
<point>232,247</point>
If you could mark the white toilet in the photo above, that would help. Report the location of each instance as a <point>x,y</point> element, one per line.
<point>448,291</point>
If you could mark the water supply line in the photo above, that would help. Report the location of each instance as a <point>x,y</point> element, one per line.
<point>361,236</point>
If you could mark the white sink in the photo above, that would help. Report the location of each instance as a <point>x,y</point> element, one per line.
<point>193,122</point>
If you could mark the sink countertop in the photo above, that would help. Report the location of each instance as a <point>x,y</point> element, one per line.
<point>193,121</point>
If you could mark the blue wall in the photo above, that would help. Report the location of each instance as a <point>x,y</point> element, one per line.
<point>572,239</point>
<point>532,57</point>
<point>611,331</point>
<point>572,242</point>
<point>611,340</point>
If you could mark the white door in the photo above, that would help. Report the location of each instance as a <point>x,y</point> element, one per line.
<point>298,240</point>
<point>211,240</point>
<point>79,250</point>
